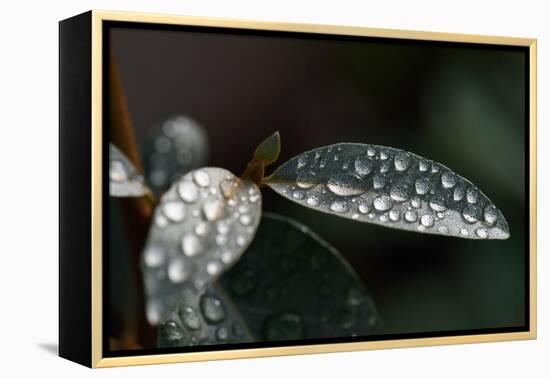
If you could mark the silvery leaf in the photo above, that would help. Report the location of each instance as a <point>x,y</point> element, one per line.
<point>289,285</point>
<point>124,179</point>
<point>178,146</point>
<point>201,226</point>
<point>389,187</point>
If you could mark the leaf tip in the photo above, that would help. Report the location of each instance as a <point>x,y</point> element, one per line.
<point>268,151</point>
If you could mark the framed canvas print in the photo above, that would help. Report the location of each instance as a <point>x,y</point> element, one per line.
<point>235,189</point>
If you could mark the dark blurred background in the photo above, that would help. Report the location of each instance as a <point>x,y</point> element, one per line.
<point>463,106</point>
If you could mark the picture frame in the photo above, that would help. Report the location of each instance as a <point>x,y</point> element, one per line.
<point>92,105</point>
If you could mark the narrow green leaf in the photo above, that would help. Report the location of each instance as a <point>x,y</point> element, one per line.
<point>389,187</point>
<point>268,151</point>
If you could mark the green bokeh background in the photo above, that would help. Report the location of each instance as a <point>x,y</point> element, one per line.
<point>461,105</point>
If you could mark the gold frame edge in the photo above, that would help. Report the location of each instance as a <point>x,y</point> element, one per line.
<point>98,16</point>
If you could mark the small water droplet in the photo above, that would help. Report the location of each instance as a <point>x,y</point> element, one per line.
<point>174,210</point>
<point>189,318</point>
<point>241,241</point>
<point>482,233</point>
<point>441,215</point>
<point>402,161</point>
<point>364,165</point>
<point>490,214</point>
<point>384,218</point>
<point>153,311</point>
<point>302,161</point>
<point>364,208</point>
<point>458,193</point>
<point>339,207</point>
<point>323,163</point>
<point>346,185</point>
<point>345,166</point>
<point>382,203</point>
<point>188,191</point>
<point>213,209</point>
<point>383,155</point>
<point>313,201</point>
<point>191,245</point>
<point>371,151</point>
<point>336,158</point>
<point>222,334</point>
<point>411,216</point>
<point>385,167</point>
<point>178,271</point>
<point>399,192</point>
<point>427,220</point>
<point>213,309</point>
<point>437,203</point>
<point>117,171</point>
<point>443,229</point>
<point>435,168</point>
<point>422,185</point>
<point>201,178</point>
<point>355,216</point>
<point>245,219</point>
<point>448,179</point>
<point>297,194</point>
<point>202,229</point>
<point>171,331</point>
<point>471,195</point>
<point>464,232</point>
<point>421,227</point>
<point>394,215</point>
<point>415,202</point>
<point>228,187</point>
<point>471,213</point>
<point>161,221</point>
<point>213,268</point>
<point>154,256</point>
<point>286,326</point>
<point>423,166</point>
<point>221,239</point>
<point>378,182</point>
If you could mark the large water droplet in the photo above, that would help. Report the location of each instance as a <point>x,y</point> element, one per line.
<point>297,194</point>
<point>382,203</point>
<point>213,209</point>
<point>313,201</point>
<point>189,318</point>
<point>423,166</point>
<point>490,214</point>
<point>394,215</point>
<point>364,208</point>
<point>287,326</point>
<point>458,193</point>
<point>471,195</point>
<point>364,165</point>
<point>411,216</point>
<point>402,161</point>
<point>202,178</point>
<point>422,185</point>
<point>448,179</point>
<point>427,220</point>
<point>212,309</point>
<point>339,207</point>
<point>174,210</point>
<point>191,245</point>
<point>346,185</point>
<point>471,213</point>
<point>188,191</point>
<point>399,192</point>
<point>178,271</point>
<point>378,181</point>
<point>306,179</point>
<point>437,203</point>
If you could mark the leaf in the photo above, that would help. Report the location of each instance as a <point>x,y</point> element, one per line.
<point>124,179</point>
<point>389,187</point>
<point>292,285</point>
<point>201,226</point>
<point>268,151</point>
<point>178,146</point>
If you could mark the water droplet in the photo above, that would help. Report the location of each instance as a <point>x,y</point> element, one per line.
<point>255,198</point>
<point>223,227</point>
<point>287,326</point>
<point>355,216</point>
<point>441,215</point>
<point>471,213</point>
<point>415,202</point>
<point>212,309</point>
<point>213,268</point>
<point>306,179</point>
<point>191,245</point>
<point>189,318</point>
<point>171,331</point>
<point>448,179</point>
<point>371,151</point>
<point>423,166</point>
<point>384,218</point>
<point>464,232</point>
<point>364,165</point>
<point>241,241</point>
<point>411,216</point>
<point>178,271</point>
<point>297,194</point>
<point>437,203</point>
<point>383,155</point>
<point>213,209</point>
<point>402,161</point>
<point>339,207</point>
<point>345,166</point>
<point>399,192</point>
<point>378,182</point>
<point>482,233</point>
<point>245,219</point>
<point>427,220</point>
<point>385,166</point>
<point>154,256</point>
<point>382,203</point>
<point>458,193</point>
<point>490,214</point>
<point>471,195</point>
<point>174,210</point>
<point>323,163</point>
<point>346,185</point>
<point>161,221</point>
<point>227,257</point>
<point>422,185</point>
<point>443,229</point>
<point>229,186</point>
<point>188,191</point>
<point>435,168</point>
<point>117,171</point>
<point>364,208</point>
<point>222,334</point>
<point>394,215</point>
<point>421,227</point>
<point>221,239</point>
<point>313,201</point>
<point>153,312</point>
<point>202,178</point>
<point>336,157</point>
<point>202,229</point>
